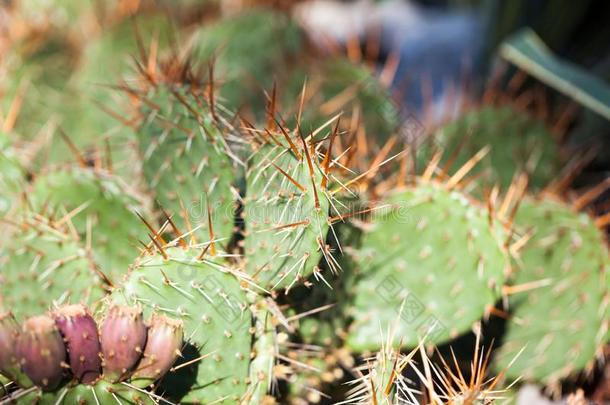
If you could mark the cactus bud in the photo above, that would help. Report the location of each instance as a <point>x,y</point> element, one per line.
<point>79,331</point>
<point>41,352</point>
<point>162,348</point>
<point>123,336</point>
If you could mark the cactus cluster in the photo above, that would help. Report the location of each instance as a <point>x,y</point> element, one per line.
<point>240,222</point>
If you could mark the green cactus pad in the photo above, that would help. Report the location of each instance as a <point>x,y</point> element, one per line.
<point>285,231</point>
<point>12,176</point>
<point>561,324</point>
<point>339,78</point>
<point>101,392</point>
<point>251,50</point>
<point>208,297</point>
<point>519,142</point>
<point>108,212</point>
<point>419,264</point>
<point>187,163</point>
<point>45,265</point>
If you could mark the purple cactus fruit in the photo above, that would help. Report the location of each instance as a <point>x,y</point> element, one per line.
<point>79,331</point>
<point>162,348</point>
<point>41,352</point>
<point>123,337</point>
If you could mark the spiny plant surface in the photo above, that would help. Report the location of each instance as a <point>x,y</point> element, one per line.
<point>100,207</point>
<point>338,85</point>
<point>561,319</point>
<point>45,264</point>
<point>207,295</point>
<point>519,143</point>
<point>186,160</point>
<point>419,262</point>
<point>286,215</point>
<point>12,175</point>
<point>250,51</point>
<point>102,392</point>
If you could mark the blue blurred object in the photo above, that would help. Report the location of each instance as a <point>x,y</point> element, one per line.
<point>439,49</point>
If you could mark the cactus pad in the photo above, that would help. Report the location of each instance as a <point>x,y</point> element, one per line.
<point>45,265</point>
<point>519,142</point>
<point>101,393</point>
<point>187,163</point>
<point>419,264</point>
<point>560,324</point>
<point>101,206</point>
<point>286,215</point>
<point>12,176</point>
<point>207,296</point>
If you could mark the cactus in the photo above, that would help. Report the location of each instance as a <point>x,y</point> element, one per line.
<point>561,319</point>
<point>338,85</point>
<point>519,143</point>
<point>186,161</point>
<point>286,215</point>
<point>79,331</point>
<point>12,175</point>
<point>250,51</point>
<point>205,293</point>
<point>406,261</point>
<point>45,264</point>
<point>102,209</point>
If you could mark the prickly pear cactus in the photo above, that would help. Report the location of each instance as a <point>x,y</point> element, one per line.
<point>286,216</point>
<point>208,296</point>
<point>562,319</point>
<point>102,209</point>
<point>187,162</point>
<point>102,392</point>
<point>419,262</point>
<point>519,143</point>
<point>341,86</point>
<point>250,51</point>
<point>45,264</point>
<point>12,176</point>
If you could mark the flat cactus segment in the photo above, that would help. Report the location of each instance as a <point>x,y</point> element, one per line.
<point>559,325</point>
<point>12,176</point>
<point>519,142</point>
<point>286,215</point>
<point>342,86</point>
<point>101,392</point>
<point>214,309</point>
<point>45,265</point>
<point>250,50</point>
<point>101,208</point>
<point>419,264</point>
<point>187,164</point>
